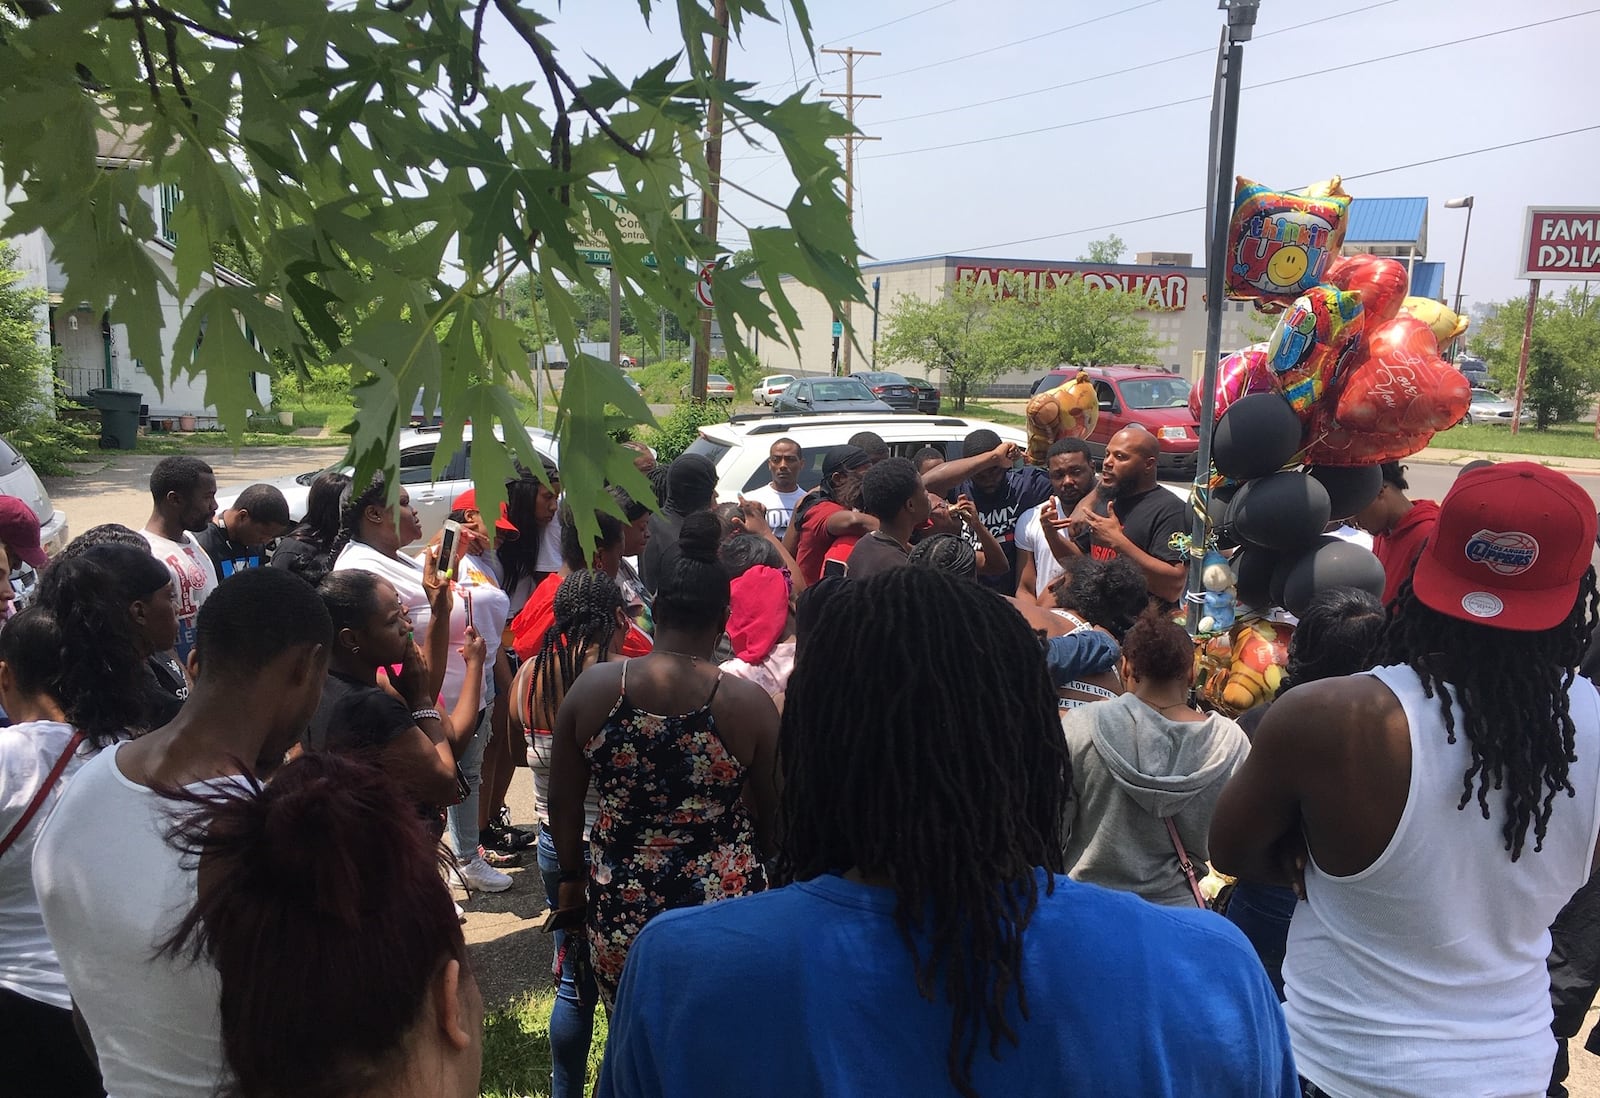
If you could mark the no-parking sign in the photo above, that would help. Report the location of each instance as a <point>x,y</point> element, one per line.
<point>702,287</point>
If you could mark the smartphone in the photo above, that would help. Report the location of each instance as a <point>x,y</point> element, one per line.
<point>571,918</point>
<point>448,544</point>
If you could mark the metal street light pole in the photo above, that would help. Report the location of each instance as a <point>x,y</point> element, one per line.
<point>1460,204</point>
<point>1219,207</point>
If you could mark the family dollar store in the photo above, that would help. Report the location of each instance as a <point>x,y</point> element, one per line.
<point>1168,286</point>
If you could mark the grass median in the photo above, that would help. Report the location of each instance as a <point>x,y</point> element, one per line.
<point>1571,440</point>
<point>516,1048</point>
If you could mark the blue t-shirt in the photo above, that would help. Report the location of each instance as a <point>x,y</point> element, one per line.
<point>809,990</point>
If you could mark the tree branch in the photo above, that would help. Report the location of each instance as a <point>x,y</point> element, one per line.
<point>172,18</point>
<point>555,73</point>
<point>471,92</point>
<point>144,52</point>
<point>177,73</point>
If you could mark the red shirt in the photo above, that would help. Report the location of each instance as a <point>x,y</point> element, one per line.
<point>536,617</point>
<point>1399,549</point>
<point>814,540</point>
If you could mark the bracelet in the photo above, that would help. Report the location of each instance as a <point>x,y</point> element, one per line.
<point>424,714</point>
<point>568,876</point>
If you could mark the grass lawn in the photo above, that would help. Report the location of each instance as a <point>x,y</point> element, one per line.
<point>990,412</point>
<point>1559,440</point>
<point>516,1048</point>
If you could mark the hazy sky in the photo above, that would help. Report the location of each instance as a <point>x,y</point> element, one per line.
<point>1067,182</point>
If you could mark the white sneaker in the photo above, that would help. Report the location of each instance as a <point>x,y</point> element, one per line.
<point>478,875</point>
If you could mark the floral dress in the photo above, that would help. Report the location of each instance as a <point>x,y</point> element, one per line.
<point>672,831</point>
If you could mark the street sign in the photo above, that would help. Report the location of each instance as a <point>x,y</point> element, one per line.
<point>838,328</point>
<point>1561,242</point>
<point>595,249</point>
<point>702,286</point>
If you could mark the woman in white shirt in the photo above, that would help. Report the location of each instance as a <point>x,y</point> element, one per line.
<point>371,534</point>
<point>72,680</point>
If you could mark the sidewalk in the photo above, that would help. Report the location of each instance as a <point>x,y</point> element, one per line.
<point>1441,456</point>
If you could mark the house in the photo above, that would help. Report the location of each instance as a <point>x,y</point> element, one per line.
<point>1396,228</point>
<point>93,348</point>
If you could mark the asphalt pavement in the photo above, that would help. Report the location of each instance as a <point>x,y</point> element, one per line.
<point>509,953</point>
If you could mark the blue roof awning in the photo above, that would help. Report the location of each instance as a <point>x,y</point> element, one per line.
<point>1427,280</point>
<point>1388,221</point>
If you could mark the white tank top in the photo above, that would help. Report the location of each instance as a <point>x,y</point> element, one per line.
<point>1424,974</point>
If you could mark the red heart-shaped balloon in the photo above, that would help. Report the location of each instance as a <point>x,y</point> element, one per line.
<point>1403,387</point>
<point>1382,283</point>
<point>1328,443</point>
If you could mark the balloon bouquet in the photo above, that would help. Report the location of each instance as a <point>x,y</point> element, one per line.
<point>1351,378</point>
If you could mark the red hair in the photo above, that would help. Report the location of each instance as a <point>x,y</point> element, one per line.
<point>322,906</point>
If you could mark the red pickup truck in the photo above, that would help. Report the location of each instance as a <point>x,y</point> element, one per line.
<point>1147,396</point>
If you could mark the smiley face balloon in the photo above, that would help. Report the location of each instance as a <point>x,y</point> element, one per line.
<point>1280,242</point>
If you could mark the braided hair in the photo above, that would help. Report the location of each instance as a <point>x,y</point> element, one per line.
<point>946,553</point>
<point>586,606</point>
<point>954,795</point>
<point>351,505</point>
<point>1511,689</point>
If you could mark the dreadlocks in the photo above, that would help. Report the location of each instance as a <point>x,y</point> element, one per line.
<point>954,795</point>
<point>1511,689</point>
<point>586,606</point>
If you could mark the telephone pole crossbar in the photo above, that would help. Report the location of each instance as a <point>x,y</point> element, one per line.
<point>841,346</point>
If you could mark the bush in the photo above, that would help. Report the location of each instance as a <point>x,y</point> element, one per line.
<point>49,444</point>
<point>664,382</point>
<point>682,427</point>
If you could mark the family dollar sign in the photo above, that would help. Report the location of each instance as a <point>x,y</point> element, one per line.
<point>1561,242</point>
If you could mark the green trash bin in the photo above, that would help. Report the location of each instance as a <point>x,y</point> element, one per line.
<point>119,417</point>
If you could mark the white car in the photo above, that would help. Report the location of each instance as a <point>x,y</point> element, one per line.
<point>1488,407</point>
<point>769,388</point>
<point>430,497</point>
<point>18,479</point>
<point>739,449</point>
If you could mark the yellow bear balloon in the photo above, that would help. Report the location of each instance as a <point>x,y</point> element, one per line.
<point>1445,324</point>
<point>1070,410</point>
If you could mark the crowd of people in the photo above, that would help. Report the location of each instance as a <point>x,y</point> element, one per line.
<point>901,780</point>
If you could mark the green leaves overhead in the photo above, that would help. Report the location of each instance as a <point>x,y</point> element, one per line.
<point>383,184</point>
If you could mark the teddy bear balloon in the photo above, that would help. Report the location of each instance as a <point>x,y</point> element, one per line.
<point>1070,410</point>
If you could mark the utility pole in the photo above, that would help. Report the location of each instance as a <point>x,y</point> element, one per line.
<point>708,201</point>
<point>849,95</point>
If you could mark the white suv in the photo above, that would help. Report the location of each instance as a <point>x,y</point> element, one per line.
<point>739,449</point>
<point>418,445</point>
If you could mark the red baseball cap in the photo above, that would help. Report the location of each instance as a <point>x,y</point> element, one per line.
<point>1511,548</point>
<point>19,531</point>
<point>468,501</point>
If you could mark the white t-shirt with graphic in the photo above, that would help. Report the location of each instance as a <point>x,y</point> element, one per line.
<point>194,577</point>
<point>780,505</point>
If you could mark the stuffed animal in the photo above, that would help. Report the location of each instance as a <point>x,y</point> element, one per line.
<point>1260,650</point>
<point>1219,603</point>
<point>1070,410</point>
<point>1445,324</point>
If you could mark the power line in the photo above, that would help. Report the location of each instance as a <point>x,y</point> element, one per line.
<point>892,22</point>
<point>1207,52</point>
<point>1248,87</point>
<point>1356,175</point>
<point>1020,41</point>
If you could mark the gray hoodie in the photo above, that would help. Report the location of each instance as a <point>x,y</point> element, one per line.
<point>1131,768</point>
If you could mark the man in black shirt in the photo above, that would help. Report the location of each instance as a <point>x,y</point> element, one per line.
<point>1142,518</point>
<point>892,493</point>
<point>239,539</point>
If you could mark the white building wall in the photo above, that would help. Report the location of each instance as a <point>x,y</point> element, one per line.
<point>1180,333</point>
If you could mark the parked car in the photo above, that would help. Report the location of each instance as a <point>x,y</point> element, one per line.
<point>626,362</point>
<point>717,388</point>
<point>633,383</point>
<point>892,389</point>
<point>1474,370</point>
<point>739,450</point>
<point>430,497</point>
<point>1490,407</point>
<point>809,396</point>
<point>928,397</point>
<point>18,479</point>
<point>767,390</point>
<point>1145,395</point>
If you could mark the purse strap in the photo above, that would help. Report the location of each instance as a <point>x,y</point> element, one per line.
<point>38,798</point>
<point>1183,861</point>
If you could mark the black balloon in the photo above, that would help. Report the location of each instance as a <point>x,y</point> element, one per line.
<point>1285,511</point>
<point>1257,435</point>
<point>1217,510</point>
<point>1252,569</point>
<point>1349,489</point>
<point>1332,562</point>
